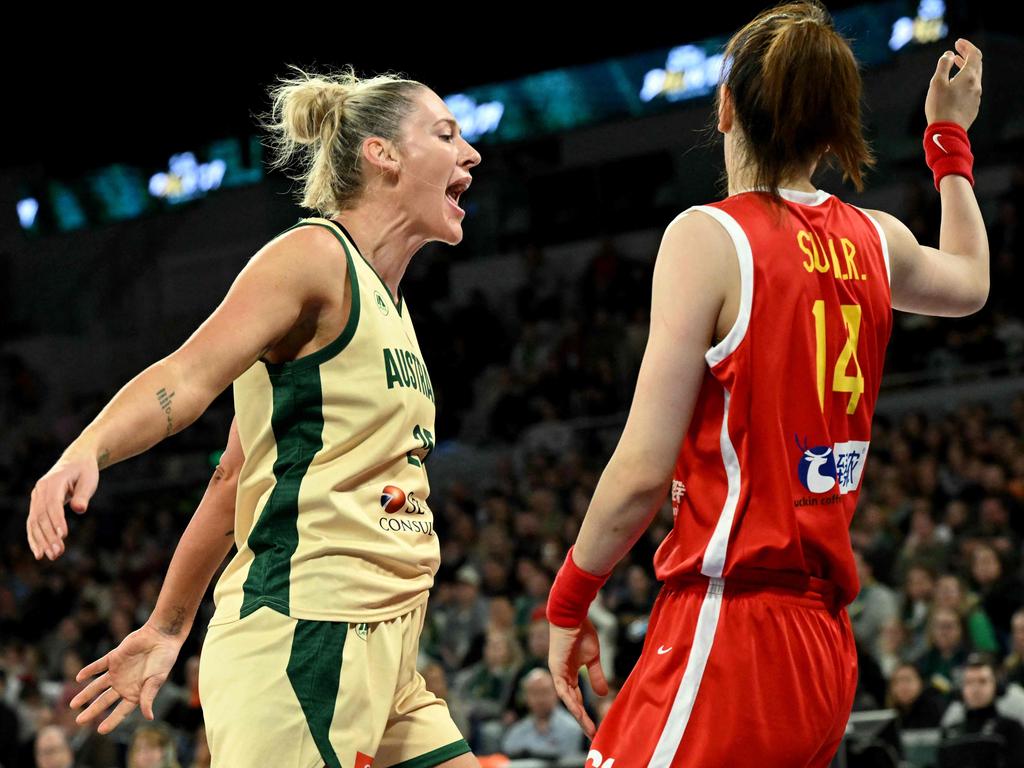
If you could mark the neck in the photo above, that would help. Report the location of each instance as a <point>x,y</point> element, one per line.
<point>744,182</point>
<point>741,171</point>
<point>385,236</point>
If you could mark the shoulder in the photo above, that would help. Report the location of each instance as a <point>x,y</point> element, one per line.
<point>309,255</point>
<point>701,226</point>
<point>698,257</point>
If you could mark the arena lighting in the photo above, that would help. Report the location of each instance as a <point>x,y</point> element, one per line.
<point>187,178</point>
<point>475,119</point>
<point>689,72</point>
<point>928,26</point>
<point>27,210</point>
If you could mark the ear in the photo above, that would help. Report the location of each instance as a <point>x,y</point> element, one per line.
<point>725,112</point>
<point>381,155</point>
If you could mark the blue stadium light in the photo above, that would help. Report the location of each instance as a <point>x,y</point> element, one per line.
<point>902,33</point>
<point>689,72</point>
<point>928,26</point>
<point>67,210</point>
<point>187,178</point>
<point>475,119</point>
<point>27,210</point>
<point>930,10</point>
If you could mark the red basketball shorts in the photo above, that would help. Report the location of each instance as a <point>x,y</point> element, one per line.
<point>734,674</point>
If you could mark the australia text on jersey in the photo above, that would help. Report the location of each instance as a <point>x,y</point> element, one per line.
<point>403,368</point>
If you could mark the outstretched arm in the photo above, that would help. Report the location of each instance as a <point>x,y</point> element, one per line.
<point>953,279</point>
<point>134,671</point>
<point>286,282</point>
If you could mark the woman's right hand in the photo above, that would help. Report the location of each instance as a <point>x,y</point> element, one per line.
<point>955,100</point>
<point>133,672</point>
<point>72,479</point>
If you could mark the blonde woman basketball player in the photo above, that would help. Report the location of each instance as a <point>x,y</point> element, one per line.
<point>770,315</point>
<point>310,657</point>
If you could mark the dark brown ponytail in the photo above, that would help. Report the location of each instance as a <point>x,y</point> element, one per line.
<point>796,91</point>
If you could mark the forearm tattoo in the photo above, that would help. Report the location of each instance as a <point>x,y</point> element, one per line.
<point>176,622</point>
<point>104,459</point>
<point>164,398</point>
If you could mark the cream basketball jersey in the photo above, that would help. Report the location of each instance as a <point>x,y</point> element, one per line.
<point>331,515</point>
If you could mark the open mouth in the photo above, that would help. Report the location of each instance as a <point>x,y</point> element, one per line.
<point>454,192</point>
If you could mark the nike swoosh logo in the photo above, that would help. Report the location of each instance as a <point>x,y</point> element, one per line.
<point>663,650</point>
<point>935,138</point>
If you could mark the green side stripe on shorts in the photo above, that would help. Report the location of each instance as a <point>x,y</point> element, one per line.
<point>298,422</point>
<point>314,670</point>
<point>437,756</point>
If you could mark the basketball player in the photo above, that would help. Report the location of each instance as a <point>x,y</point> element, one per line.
<point>310,655</point>
<point>770,315</point>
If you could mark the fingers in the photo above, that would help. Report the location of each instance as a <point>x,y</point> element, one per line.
<point>85,487</point>
<point>98,685</point>
<point>597,679</point>
<point>969,51</point>
<point>943,67</point>
<point>572,697</point>
<point>44,496</point>
<point>56,499</point>
<point>564,693</point>
<point>121,711</point>
<point>104,700</point>
<point>100,665</point>
<point>33,540</point>
<point>149,691</point>
<point>40,529</point>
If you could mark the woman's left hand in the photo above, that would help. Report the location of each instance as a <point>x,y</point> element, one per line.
<point>570,649</point>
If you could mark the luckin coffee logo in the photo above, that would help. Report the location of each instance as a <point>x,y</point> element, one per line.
<point>165,403</point>
<point>826,467</point>
<point>817,467</point>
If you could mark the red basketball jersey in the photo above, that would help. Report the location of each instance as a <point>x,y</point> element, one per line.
<point>769,471</point>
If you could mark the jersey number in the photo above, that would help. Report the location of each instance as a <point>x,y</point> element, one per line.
<point>841,382</point>
<point>427,440</point>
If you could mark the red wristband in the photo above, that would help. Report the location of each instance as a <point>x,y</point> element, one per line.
<point>947,150</point>
<point>572,593</point>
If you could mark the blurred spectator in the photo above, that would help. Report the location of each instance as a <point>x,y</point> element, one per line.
<point>942,664</point>
<point>1003,736</point>
<point>152,747</point>
<point>485,687</point>
<point>917,705</point>
<point>1013,666</point>
<point>536,658</point>
<point>950,593</point>
<point>1000,594</point>
<point>51,748</point>
<point>915,603</point>
<point>461,621</point>
<point>874,607</point>
<point>549,731</point>
<point>632,606</point>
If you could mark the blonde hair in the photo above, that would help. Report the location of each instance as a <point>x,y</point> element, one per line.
<point>321,120</point>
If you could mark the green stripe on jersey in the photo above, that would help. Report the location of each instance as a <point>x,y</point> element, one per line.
<point>437,756</point>
<point>298,422</point>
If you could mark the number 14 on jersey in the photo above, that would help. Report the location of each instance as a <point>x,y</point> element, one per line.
<point>841,380</point>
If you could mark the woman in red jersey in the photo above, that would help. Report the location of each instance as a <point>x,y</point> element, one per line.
<point>770,315</point>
